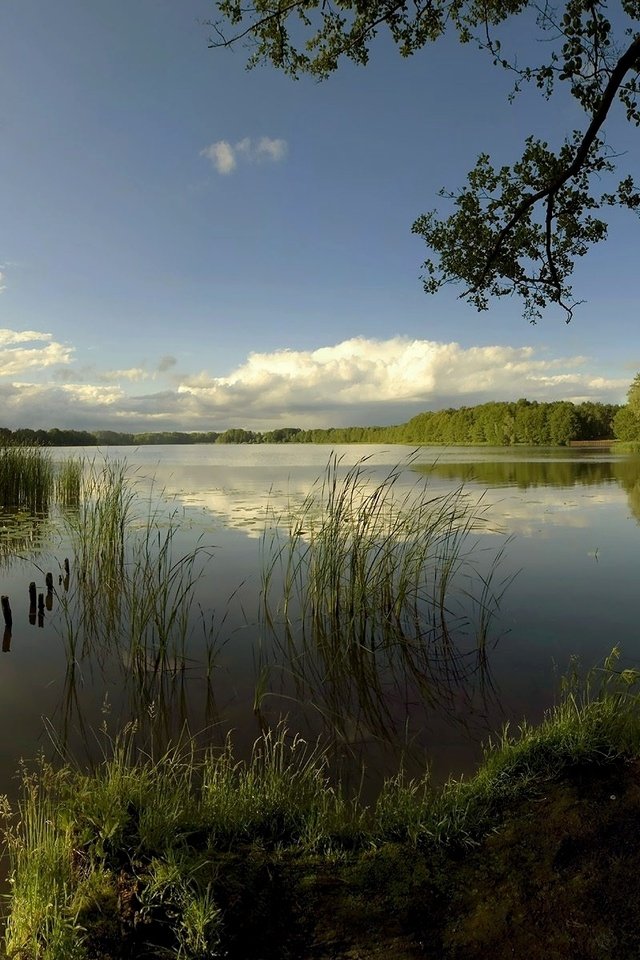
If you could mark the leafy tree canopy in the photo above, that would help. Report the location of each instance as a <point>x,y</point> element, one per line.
<point>633,396</point>
<point>515,229</point>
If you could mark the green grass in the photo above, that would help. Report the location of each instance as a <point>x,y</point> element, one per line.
<point>164,848</point>
<point>132,594</point>
<point>69,479</point>
<point>369,586</point>
<point>26,477</point>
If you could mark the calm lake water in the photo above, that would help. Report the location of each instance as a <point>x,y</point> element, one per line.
<point>565,523</point>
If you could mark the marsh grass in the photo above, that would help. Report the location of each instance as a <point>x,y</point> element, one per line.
<point>132,597</point>
<point>69,482</point>
<point>30,484</point>
<point>369,588</point>
<point>182,827</point>
<point>26,477</point>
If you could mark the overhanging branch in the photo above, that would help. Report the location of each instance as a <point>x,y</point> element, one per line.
<point>629,59</point>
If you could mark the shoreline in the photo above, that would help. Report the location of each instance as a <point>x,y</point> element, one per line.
<point>535,855</point>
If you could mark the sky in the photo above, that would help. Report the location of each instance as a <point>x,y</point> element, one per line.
<point>188,245</point>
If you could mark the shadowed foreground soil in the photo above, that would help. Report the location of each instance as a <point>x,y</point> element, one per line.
<point>558,878</point>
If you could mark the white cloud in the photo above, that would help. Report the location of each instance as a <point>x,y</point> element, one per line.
<point>8,337</point>
<point>357,381</point>
<point>15,359</point>
<point>361,380</point>
<point>224,156</point>
<point>268,149</point>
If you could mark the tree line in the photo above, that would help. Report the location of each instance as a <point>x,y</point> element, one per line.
<point>495,423</point>
<point>110,438</point>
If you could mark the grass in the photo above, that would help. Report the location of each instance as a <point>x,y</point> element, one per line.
<point>69,479</point>
<point>365,592</point>
<point>132,597</point>
<point>29,484</point>
<point>202,855</point>
<point>368,588</point>
<point>26,477</point>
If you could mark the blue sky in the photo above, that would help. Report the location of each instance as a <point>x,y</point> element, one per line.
<point>188,245</point>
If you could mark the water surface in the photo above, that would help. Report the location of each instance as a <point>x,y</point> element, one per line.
<point>566,520</point>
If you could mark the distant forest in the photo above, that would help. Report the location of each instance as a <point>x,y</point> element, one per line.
<point>503,424</point>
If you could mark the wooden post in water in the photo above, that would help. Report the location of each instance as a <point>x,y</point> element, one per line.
<point>8,623</point>
<point>49,582</point>
<point>41,609</point>
<point>32,603</point>
<point>6,612</point>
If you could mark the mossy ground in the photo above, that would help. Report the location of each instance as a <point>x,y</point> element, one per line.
<point>558,879</point>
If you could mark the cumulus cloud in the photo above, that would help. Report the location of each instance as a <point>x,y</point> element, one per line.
<point>224,156</point>
<point>43,352</point>
<point>357,381</point>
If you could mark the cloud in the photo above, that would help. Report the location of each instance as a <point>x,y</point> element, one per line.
<point>358,381</point>
<point>9,337</point>
<point>224,156</point>
<point>16,359</point>
<point>132,374</point>
<point>166,363</point>
<point>366,381</point>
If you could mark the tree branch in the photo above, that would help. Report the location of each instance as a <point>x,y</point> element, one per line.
<point>626,62</point>
<point>263,21</point>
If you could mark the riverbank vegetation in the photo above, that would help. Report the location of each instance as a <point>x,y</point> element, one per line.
<point>197,855</point>
<point>495,423</point>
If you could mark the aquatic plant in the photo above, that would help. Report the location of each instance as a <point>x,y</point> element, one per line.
<point>368,589</point>
<point>26,477</point>
<point>132,595</point>
<point>69,477</point>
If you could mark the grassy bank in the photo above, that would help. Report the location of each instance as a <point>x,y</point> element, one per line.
<point>199,855</point>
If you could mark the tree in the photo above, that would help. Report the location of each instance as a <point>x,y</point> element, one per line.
<point>633,396</point>
<point>515,229</point>
<point>626,423</point>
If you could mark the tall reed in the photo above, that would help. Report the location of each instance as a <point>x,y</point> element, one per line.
<point>369,587</point>
<point>132,598</point>
<point>26,477</point>
<point>69,478</point>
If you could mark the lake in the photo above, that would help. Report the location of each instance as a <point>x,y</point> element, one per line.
<point>550,571</point>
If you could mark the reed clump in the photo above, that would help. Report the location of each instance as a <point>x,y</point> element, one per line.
<point>183,854</point>
<point>358,564</point>
<point>132,598</point>
<point>69,479</point>
<point>26,477</point>
<point>371,587</point>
